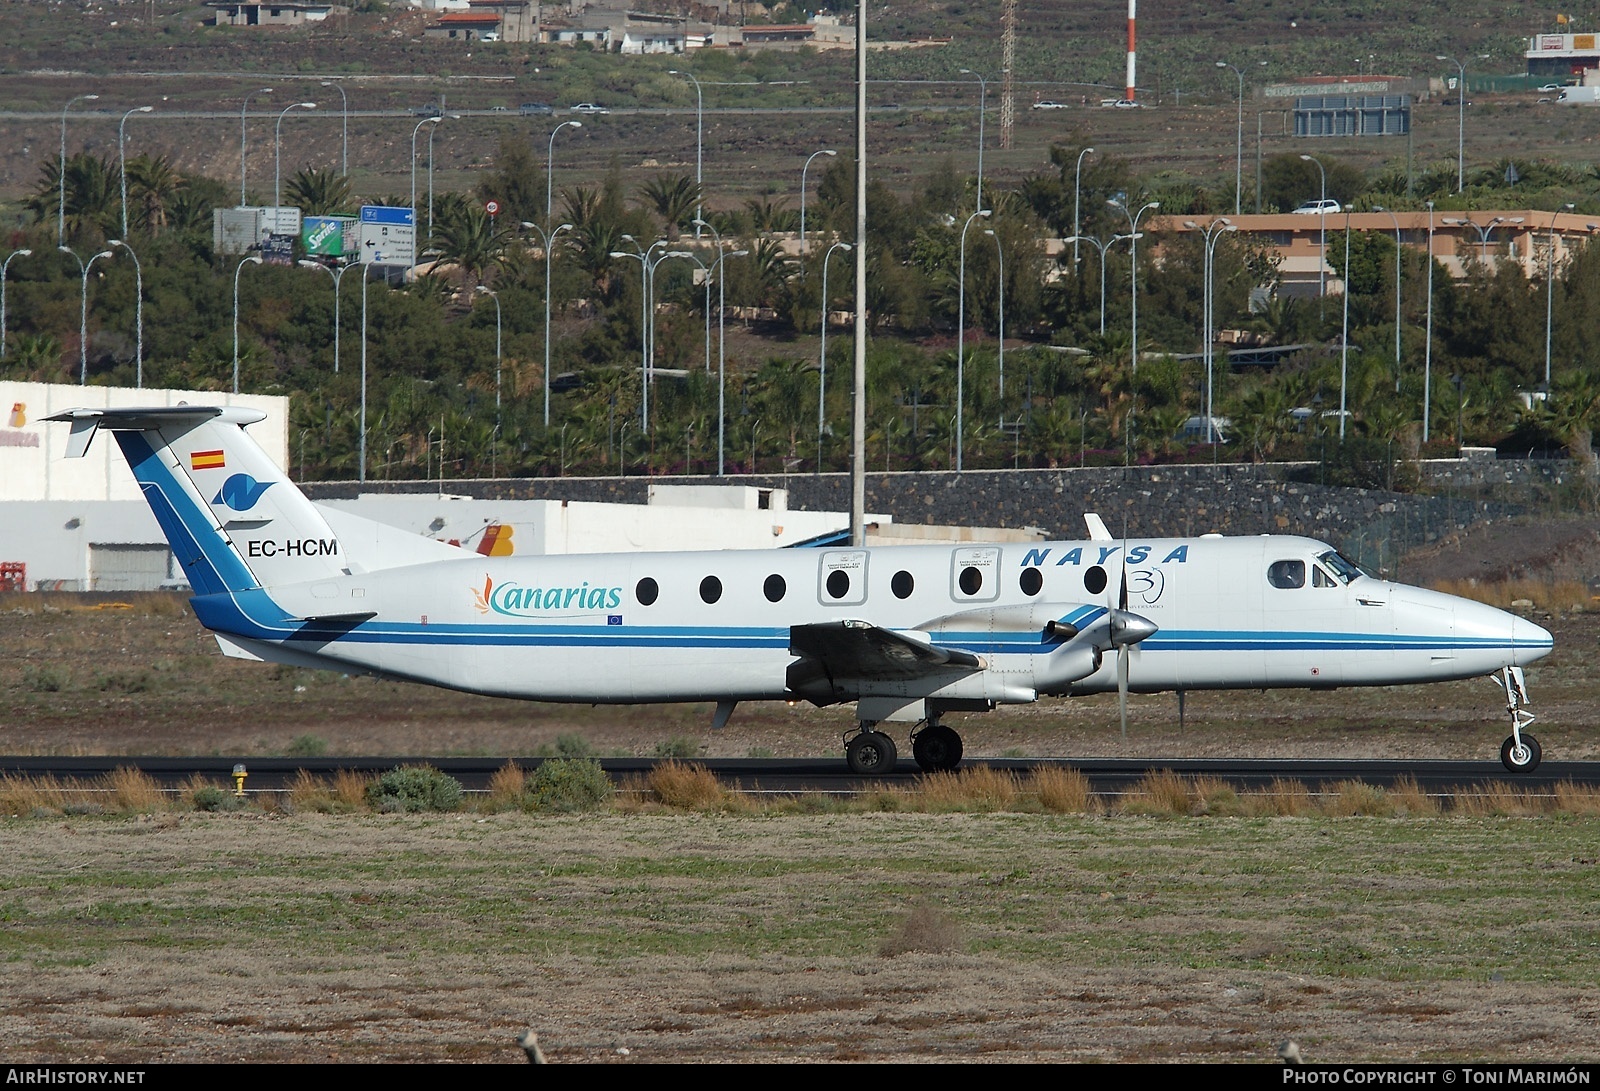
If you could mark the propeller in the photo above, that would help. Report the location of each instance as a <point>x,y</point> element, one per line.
<point>1118,629</point>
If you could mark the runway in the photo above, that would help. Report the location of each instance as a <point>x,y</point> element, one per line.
<point>829,776</point>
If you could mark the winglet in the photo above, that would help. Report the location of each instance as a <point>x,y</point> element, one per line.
<point>1097,528</point>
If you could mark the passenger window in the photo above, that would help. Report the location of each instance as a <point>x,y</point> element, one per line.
<point>1287,574</point>
<point>1031,581</point>
<point>971,581</point>
<point>1094,580</point>
<point>902,585</point>
<point>1319,578</point>
<point>710,589</point>
<point>646,591</point>
<point>774,588</point>
<point>838,584</point>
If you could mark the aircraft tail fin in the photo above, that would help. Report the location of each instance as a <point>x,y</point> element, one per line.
<point>234,520</point>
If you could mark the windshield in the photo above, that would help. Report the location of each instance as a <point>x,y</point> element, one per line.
<point>1341,566</point>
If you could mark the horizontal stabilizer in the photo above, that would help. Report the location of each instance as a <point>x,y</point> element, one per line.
<point>338,620</point>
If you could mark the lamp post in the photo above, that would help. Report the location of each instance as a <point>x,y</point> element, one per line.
<point>645,322</point>
<point>1396,221</point>
<point>1077,187</point>
<point>416,244</point>
<point>1238,152</point>
<point>365,280</point>
<point>549,241</point>
<point>1344,331</point>
<point>1461,118</point>
<point>822,355</point>
<point>1322,229</point>
<point>813,155</point>
<point>337,273</point>
<point>252,260</point>
<point>1000,352</point>
<point>550,167</point>
<point>122,159</point>
<point>492,294</point>
<point>431,134</point>
<point>243,110</point>
<point>5,267</point>
<point>983,110</point>
<point>1212,233</point>
<point>705,281</point>
<point>138,312</point>
<point>344,126</point>
<point>699,144</point>
<point>61,165</point>
<point>1133,251</point>
<point>1427,350</point>
<point>722,374</point>
<point>83,311</point>
<point>277,151</point>
<point>1102,247</point>
<point>961,329</point>
<point>1483,230</point>
<point>1549,294</point>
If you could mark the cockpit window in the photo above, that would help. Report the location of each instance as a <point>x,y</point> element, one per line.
<point>1287,574</point>
<point>1341,566</point>
<point>1320,577</point>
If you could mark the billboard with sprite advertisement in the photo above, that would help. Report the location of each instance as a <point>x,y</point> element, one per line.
<point>329,236</point>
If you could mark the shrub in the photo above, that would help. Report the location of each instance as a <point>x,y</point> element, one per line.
<point>308,746</point>
<point>134,791</point>
<point>678,746</point>
<point>414,788</point>
<point>568,784</point>
<point>573,745</point>
<point>688,786</point>
<point>1061,791</point>
<point>211,798</point>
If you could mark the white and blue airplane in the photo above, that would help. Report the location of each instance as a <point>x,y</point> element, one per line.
<point>906,633</point>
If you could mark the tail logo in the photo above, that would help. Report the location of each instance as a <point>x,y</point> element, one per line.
<point>241,492</point>
<point>19,414</point>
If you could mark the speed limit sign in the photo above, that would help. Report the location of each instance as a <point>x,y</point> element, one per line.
<point>492,207</point>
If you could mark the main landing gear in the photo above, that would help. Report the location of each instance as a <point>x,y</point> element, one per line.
<point>1520,753</point>
<point>870,752</point>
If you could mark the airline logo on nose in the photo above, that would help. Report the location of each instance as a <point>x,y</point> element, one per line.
<point>241,492</point>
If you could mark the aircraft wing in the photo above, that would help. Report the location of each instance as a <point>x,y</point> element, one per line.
<point>836,652</point>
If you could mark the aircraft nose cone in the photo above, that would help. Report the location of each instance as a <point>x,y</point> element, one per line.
<point>1129,628</point>
<point>1529,641</point>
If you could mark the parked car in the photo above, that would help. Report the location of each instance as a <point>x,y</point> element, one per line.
<point>1318,208</point>
<point>589,108</point>
<point>432,109</point>
<point>1127,104</point>
<point>535,108</point>
<point>1550,88</point>
<point>1049,105</point>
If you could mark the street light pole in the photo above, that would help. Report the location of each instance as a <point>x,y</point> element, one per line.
<point>1549,294</point>
<point>1212,234</point>
<point>1238,152</point>
<point>365,280</point>
<point>1077,187</point>
<point>61,171</point>
<point>251,260</point>
<point>1322,229</point>
<point>344,125</point>
<point>1133,251</point>
<point>492,294</point>
<point>699,144</point>
<point>983,109</point>
<point>722,373</point>
<point>961,330</point>
<point>83,311</point>
<point>1427,351</point>
<point>416,243</point>
<point>5,267</point>
<point>1000,353</point>
<point>1102,247</point>
<point>337,274</point>
<point>277,151</point>
<point>822,356</point>
<point>138,312</point>
<point>1461,118</point>
<point>813,155</point>
<point>549,241</point>
<point>550,167</point>
<point>1344,333</point>
<point>122,159</point>
<point>243,111</point>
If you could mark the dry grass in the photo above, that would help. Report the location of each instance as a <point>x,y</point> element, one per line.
<point>134,792</point>
<point>1285,799</point>
<point>1501,800</point>
<point>978,789</point>
<point>1062,791</point>
<point>152,603</point>
<point>686,786</point>
<point>1559,595</point>
<point>924,929</point>
<point>1160,793</point>
<point>505,788</point>
<point>1354,797</point>
<point>1407,798</point>
<point>21,796</point>
<point>347,794</point>
<point>1575,799</point>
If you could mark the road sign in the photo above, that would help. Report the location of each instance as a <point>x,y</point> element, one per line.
<point>388,235</point>
<point>492,208</point>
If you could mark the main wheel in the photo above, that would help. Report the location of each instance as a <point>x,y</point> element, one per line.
<point>1521,759</point>
<point>871,753</point>
<point>937,748</point>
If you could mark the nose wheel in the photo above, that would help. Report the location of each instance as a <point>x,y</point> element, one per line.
<point>1520,753</point>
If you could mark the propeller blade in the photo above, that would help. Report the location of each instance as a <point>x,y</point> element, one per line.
<point>1122,686</point>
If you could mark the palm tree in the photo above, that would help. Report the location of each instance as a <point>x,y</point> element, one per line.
<point>768,214</point>
<point>673,199</point>
<point>319,192</point>
<point>153,183</point>
<point>468,239</point>
<point>93,194</point>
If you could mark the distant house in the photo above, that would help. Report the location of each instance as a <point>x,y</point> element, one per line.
<point>518,18</point>
<point>466,26</point>
<point>796,34</point>
<point>234,14</point>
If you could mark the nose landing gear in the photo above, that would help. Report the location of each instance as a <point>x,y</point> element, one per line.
<point>1520,753</point>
